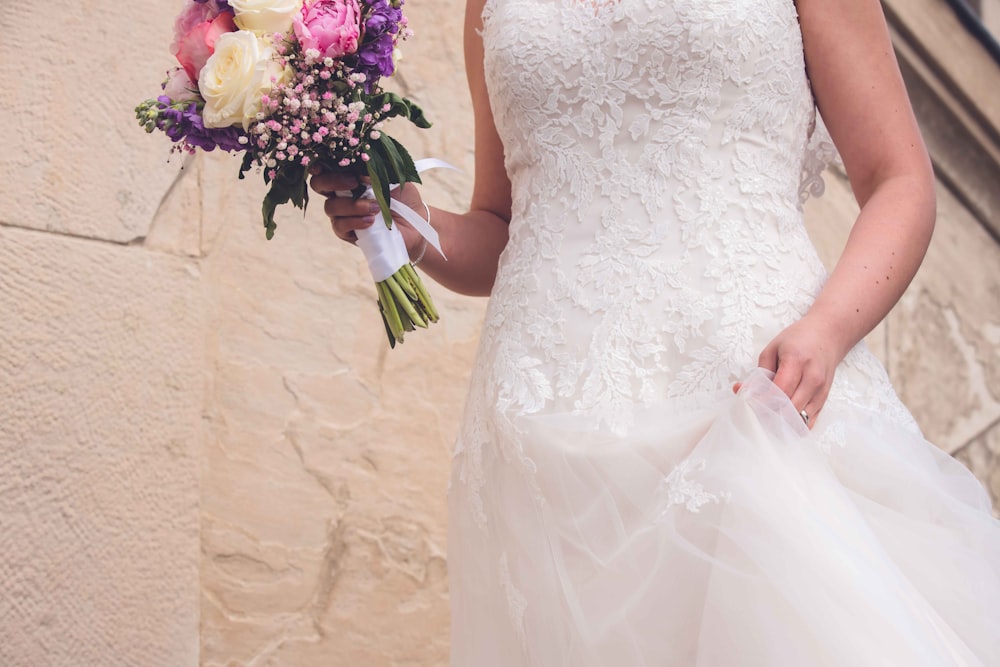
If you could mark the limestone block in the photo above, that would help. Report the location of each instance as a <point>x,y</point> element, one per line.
<point>991,15</point>
<point>177,226</point>
<point>945,332</point>
<point>76,161</point>
<point>982,456</point>
<point>325,473</point>
<point>953,50</point>
<point>328,456</point>
<point>100,425</point>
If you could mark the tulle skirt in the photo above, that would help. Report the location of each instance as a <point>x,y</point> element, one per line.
<point>720,532</point>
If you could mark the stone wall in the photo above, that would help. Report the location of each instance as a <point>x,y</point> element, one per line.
<point>989,11</point>
<point>208,455</point>
<point>102,353</point>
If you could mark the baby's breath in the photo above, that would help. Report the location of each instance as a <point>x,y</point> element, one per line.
<point>320,113</point>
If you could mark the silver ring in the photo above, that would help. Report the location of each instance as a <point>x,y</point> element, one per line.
<point>805,416</point>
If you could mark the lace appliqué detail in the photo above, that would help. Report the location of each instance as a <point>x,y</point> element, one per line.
<point>678,489</point>
<point>820,154</point>
<point>637,267</point>
<point>516,602</point>
<point>833,435</point>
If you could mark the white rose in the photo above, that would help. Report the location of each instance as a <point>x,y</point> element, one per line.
<point>267,74</point>
<point>265,16</point>
<point>231,76</point>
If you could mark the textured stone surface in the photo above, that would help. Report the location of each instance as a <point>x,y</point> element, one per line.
<point>177,226</point>
<point>990,11</point>
<point>982,456</point>
<point>327,459</point>
<point>326,466</point>
<point>945,332</point>
<point>80,163</point>
<point>101,386</point>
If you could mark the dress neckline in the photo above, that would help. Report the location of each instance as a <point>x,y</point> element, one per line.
<point>594,8</point>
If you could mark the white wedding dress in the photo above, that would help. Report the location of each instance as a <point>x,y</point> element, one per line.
<point>612,503</point>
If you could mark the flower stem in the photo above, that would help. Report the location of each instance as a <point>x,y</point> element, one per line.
<point>404,302</point>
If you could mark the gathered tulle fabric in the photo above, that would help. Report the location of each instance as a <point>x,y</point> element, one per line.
<point>721,532</point>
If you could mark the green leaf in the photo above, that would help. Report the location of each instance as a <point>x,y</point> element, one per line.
<point>377,150</point>
<point>380,184</point>
<point>288,184</point>
<point>299,189</point>
<point>271,201</point>
<point>247,164</point>
<point>391,159</point>
<point>406,170</point>
<point>416,116</point>
<point>340,87</point>
<point>401,106</point>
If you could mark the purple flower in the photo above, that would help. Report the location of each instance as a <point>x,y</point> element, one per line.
<point>185,124</point>
<point>374,58</point>
<point>385,18</point>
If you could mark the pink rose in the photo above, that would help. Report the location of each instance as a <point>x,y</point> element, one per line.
<point>192,14</point>
<point>179,87</point>
<point>332,27</point>
<point>198,44</point>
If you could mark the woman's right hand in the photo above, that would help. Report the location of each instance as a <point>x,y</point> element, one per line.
<point>347,215</point>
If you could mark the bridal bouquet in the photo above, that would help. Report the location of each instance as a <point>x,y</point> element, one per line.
<point>295,85</point>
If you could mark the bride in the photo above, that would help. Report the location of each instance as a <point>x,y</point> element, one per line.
<point>676,449</point>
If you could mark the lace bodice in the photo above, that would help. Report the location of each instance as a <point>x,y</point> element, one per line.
<point>659,152</point>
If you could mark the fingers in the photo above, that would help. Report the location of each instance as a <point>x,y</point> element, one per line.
<point>805,383</point>
<point>348,215</point>
<point>810,395</point>
<point>804,363</point>
<point>768,359</point>
<point>329,182</point>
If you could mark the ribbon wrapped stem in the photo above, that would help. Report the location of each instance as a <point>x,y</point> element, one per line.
<point>403,300</point>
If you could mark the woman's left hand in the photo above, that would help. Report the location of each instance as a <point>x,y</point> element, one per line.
<point>804,358</point>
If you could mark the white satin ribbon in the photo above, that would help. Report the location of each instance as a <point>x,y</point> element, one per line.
<point>383,246</point>
<point>384,249</point>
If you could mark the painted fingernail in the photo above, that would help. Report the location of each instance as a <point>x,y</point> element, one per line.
<point>368,219</point>
<point>373,207</point>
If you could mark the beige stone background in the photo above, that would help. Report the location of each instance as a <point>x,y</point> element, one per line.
<point>208,455</point>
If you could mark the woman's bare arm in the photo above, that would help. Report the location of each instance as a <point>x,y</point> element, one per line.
<point>860,92</point>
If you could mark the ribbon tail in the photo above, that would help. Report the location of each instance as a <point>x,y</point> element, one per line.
<point>426,163</point>
<point>418,223</point>
<point>405,212</point>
